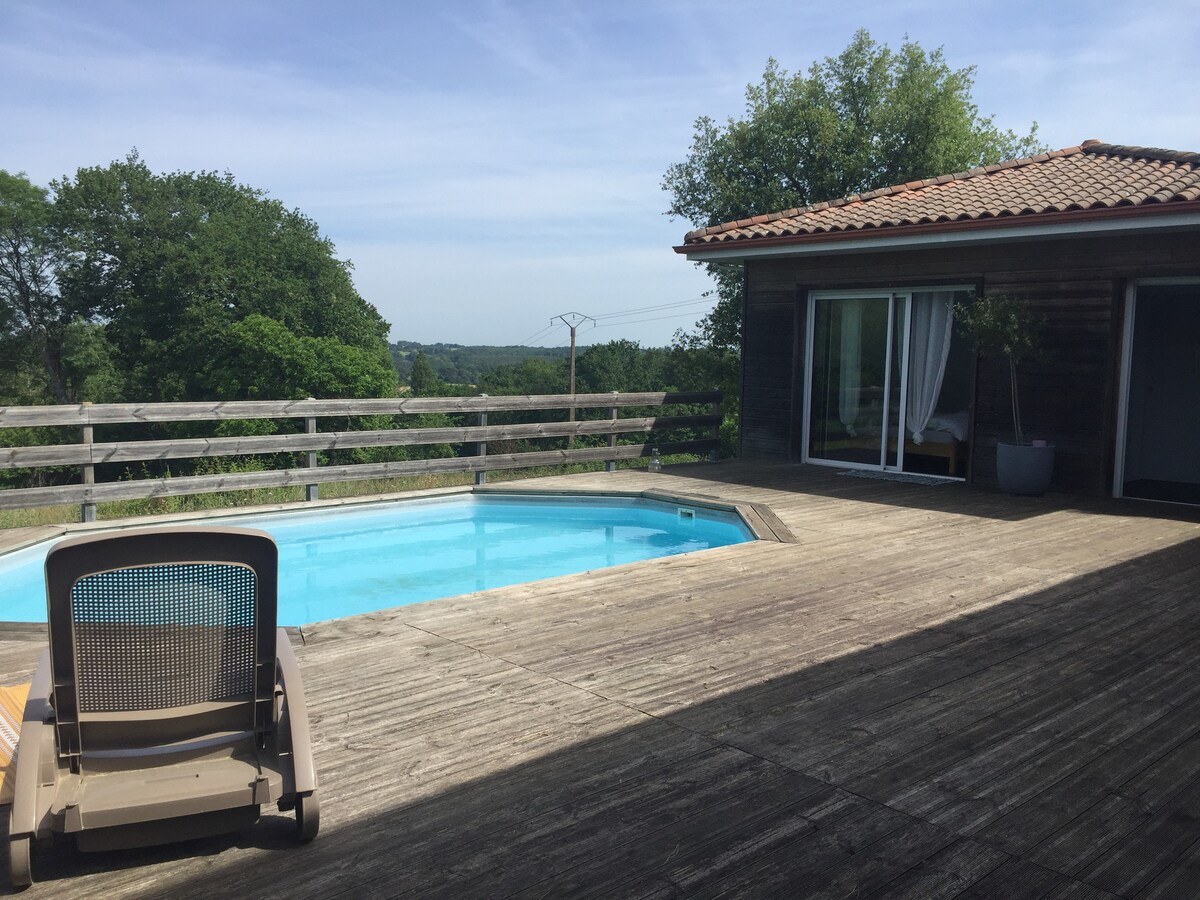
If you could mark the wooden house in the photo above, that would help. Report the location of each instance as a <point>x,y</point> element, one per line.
<point>849,358</point>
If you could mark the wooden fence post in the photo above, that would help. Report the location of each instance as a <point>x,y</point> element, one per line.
<point>87,510</point>
<point>610,465</point>
<point>481,447</point>
<point>715,454</point>
<point>311,491</point>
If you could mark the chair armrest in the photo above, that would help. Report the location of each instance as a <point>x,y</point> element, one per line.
<point>295,714</point>
<point>35,752</point>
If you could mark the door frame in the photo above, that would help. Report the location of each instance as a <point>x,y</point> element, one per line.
<point>1123,375</point>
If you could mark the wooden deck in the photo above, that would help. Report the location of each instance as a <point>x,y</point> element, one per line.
<point>936,692</point>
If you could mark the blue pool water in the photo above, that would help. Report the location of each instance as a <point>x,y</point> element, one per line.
<point>349,560</point>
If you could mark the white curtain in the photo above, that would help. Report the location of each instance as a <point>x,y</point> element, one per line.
<point>850,363</point>
<point>929,345</point>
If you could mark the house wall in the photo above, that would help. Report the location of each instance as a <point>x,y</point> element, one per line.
<point>1068,396</point>
<point>772,334</point>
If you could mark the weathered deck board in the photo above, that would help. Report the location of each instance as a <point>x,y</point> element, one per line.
<point>935,693</point>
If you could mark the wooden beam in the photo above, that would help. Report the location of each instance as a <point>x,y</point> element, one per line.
<point>192,448</point>
<point>126,413</point>
<point>20,498</point>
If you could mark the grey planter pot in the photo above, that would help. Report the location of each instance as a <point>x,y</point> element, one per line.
<point>1023,469</point>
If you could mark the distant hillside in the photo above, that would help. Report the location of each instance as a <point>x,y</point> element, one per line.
<point>460,364</point>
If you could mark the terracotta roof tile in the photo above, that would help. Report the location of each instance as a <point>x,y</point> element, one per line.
<point>1091,176</point>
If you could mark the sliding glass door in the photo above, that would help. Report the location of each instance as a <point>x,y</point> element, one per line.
<point>887,382</point>
<point>849,392</point>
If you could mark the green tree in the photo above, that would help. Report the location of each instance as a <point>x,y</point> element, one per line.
<point>176,264</point>
<point>260,358</point>
<point>530,376</point>
<point>620,365</point>
<point>699,366</point>
<point>867,118</point>
<point>89,364</point>
<point>32,312</point>
<point>423,379</point>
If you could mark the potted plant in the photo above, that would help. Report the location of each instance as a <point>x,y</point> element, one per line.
<point>1002,325</point>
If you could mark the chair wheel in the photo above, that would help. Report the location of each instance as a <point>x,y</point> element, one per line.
<point>308,817</point>
<point>20,867</point>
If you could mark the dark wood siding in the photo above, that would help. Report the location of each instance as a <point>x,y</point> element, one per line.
<point>1068,395</point>
<point>768,363</point>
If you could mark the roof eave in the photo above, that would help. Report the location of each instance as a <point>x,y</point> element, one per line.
<point>1075,223</point>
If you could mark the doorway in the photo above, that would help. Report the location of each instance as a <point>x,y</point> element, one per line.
<point>888,381</point>
<point>1159,450</point>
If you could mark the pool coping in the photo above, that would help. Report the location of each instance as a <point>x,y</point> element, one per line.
<point>762,522</point>
<point>764,525</point>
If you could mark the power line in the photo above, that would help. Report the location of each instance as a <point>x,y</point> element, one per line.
<point>699,302</point>
<point>537,335</point>
<point>652,319</point>
<point>695,314</point>
<point>643,309</point>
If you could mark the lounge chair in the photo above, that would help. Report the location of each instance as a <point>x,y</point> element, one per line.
<point>168,706</point>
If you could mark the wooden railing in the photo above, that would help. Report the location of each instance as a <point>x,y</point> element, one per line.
<point>89,454</point>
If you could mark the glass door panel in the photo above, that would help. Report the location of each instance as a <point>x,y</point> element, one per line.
<point>849,388</point>
<point>890,382</point>
<point>937,386</point>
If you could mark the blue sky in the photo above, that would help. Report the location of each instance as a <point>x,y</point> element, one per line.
<point>487,165</point>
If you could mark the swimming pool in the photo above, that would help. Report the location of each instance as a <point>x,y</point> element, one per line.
<point>346,560</point>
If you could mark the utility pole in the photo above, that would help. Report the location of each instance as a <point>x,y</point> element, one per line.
<point>572,320</point>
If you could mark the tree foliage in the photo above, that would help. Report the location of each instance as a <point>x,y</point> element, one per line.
<point>33,315</point>
<point>259,358</point>
<point>867,118</point>
<point>185,269</point>
<point>122,284</point>
<point>530,376</point>
<point>423,379</point>
<point>620,365</point>
<point>463,365</point>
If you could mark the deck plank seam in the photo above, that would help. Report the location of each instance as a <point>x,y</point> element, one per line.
<point>719,742</point>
